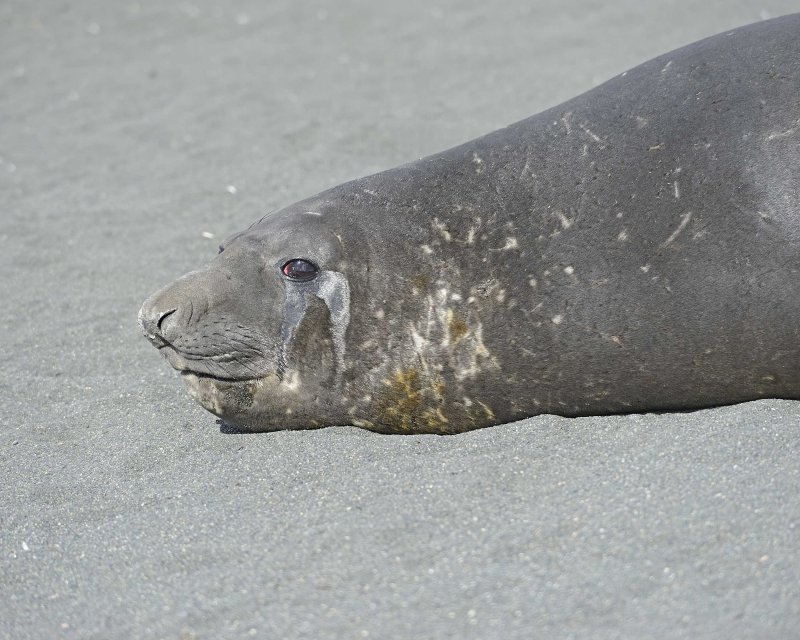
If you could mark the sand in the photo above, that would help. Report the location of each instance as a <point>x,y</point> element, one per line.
<point>129,134</point>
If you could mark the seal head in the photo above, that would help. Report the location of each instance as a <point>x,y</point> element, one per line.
<point>261,324</point>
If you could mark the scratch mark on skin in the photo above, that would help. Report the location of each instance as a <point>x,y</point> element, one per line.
<point>511,243</point>
<point>676,190</point>
<point>666,66</point>
<point>684,221</point>
<point>313,213</point>
<point>656,147</point>
<point>527,170</point>
<point>593,136</point>
<point>783,134</point>
<point>489,413</point>
<point>565,119</point>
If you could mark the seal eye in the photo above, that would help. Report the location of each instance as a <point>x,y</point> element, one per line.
<point>300,270</point>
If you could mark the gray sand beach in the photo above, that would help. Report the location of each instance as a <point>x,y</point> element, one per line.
<point>134,136</point>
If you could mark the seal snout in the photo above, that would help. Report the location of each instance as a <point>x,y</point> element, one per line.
<point>159,319</point>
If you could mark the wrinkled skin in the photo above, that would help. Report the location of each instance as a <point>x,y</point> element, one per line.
<point>636,248</point>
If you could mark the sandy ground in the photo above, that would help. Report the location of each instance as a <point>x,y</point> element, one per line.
<point>127,130</point>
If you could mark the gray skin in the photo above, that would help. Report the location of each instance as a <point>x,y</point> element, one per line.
<point>636,248</point>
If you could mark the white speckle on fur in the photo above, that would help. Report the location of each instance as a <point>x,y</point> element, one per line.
<point>426,249</point>
<point>558,319</point>
<point>645,268</point>
<point>442,229</point>
<point>532,282</point>
<point>569,270</point>
<point>379,314</point>
<point>478,162</point>
<point>511,243</point>
<point>566,223</point>
<point>419,341</point>
<point>291,381</point>
<point>623,236</point>
<point>666,66</point>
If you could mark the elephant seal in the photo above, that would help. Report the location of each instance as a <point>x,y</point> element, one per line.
<point>635,248</point>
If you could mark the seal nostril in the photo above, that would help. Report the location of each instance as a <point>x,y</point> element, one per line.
<point>163,316</point>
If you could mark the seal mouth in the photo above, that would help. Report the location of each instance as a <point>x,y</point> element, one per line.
<point>208,376</point>
<point>213,368</point>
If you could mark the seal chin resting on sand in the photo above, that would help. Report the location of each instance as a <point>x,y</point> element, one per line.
<point>635,248</point>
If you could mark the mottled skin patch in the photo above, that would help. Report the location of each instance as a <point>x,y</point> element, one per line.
<point>411,403</point>
<point>240,396</point>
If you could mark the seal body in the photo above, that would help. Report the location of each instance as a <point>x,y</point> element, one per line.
<point>635,248</point>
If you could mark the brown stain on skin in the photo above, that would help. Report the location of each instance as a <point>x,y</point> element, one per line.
<point>456,326</point>
<point>410,404</point>
<point>420,281</point>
